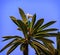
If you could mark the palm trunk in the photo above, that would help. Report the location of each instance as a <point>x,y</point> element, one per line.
<point>25,52</point>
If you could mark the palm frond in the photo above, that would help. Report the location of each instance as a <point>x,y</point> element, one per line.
<point>44,39</point>
<point>13,48</point>
<point>23,15</point>
<point>23,27</point>
<point>11,37</point>
<point>50,47</point>
<point>33,19</point>
<point>42,47</point>
<point>47,30</point>
<point>47,35</point>
<point>46,25</point>
<point>20,24</point>
<point>38,24</point>
<point>35,47</point>
<point>8,45</point>
<point>12,43</point>
<point>14,20</point>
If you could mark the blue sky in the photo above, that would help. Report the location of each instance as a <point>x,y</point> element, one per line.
<point>47,9</point>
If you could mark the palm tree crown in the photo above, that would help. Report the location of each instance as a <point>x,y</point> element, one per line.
<point>34,32</point>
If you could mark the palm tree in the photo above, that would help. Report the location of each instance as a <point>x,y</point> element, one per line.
<point>35,34</point>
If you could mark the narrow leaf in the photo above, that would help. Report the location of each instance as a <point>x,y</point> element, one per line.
<point>50,47</point>
<point>46,25</point>
<point>14,20</point>
<point>12,48</point>
<point>53,34</point>
<point>42,34</point>
<point>35,47</point>
<point>23,27</point>
<point>23,15</point>
<point>11,37</point>
<point>33,19</point>
<point>38,24</point>
<point>47,30</point>
<point>42,47</point>
<point>44,40</point>
<point>8,45</point>
<point>32,23</point>
<point>47,35</point>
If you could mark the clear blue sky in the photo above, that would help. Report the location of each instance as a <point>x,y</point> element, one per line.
<point>47,9</point>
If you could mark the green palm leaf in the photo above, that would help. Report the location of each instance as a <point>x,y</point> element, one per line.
<point>11,43</point>
<point>44,52</point>
<point>42,47</point>
<point>35,47</point>
<point>38,24</point>
<point>47,35</point>
<point>44,40</point>
<point>33,19</point>
<point>14,20</point>
<point>32,23</point>
<point>8,45</point>
<point>42,35</point>
<point>19,23</point>
<point>47,30</point>
<point>50,47</point>
<point>23,27</point>
<point>11,37</point>
<point>52,34</point>
<point>12,48</point>
<point>23,15</point>
<point>46,25</point>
